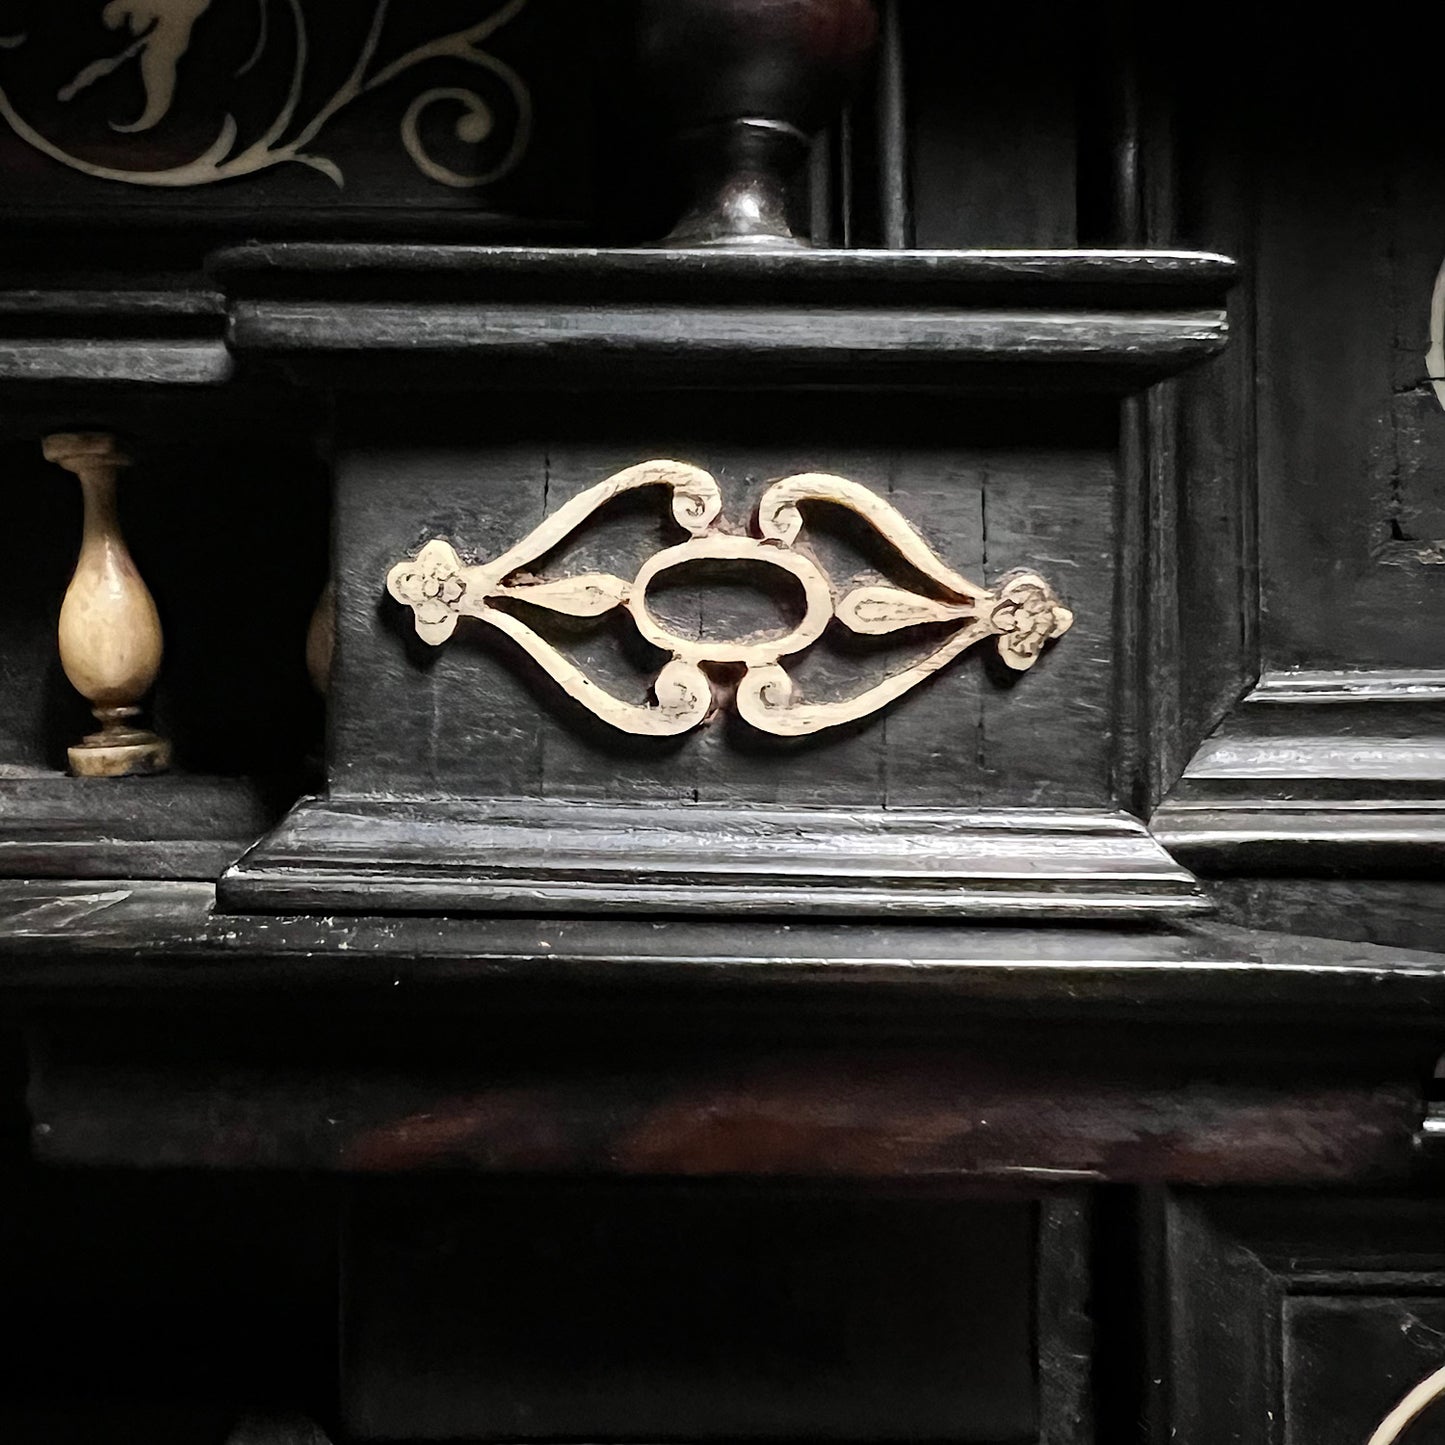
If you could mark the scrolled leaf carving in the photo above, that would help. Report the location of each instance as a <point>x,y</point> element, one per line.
<point>161,32</point>
<point>1023,615</point>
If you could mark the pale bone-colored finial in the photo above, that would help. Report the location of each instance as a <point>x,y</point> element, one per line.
<point>110,633</point>
<point>321,638</point>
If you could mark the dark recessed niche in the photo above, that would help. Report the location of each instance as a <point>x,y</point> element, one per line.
<point>675,1313</point>
<point>163,1306</point>
<point>231,540</point>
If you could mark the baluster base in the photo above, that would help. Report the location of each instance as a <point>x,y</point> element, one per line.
<point>100,755</point>
<point>118,751</point>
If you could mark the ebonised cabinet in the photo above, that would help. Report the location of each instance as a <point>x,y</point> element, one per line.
<point>918,916</point>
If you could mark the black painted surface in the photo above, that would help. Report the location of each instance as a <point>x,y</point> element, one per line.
<point>308,80</point>
<point>417,734</point>
<point>374,317</point>
<point>597,1313</point>
<point>1320,1313</point>
<point>181,1303</point>
<point>1250,548</point>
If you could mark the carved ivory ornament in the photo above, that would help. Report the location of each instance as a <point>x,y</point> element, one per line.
<point>1430,1390</point>
<point>1022,613</point>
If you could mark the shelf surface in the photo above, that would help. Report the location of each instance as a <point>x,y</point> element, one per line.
<point>69,938</point>
<point>931,320</point>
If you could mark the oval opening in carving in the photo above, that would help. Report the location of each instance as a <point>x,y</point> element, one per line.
<point>720,602</point>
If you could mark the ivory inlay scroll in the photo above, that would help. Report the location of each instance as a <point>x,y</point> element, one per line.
<point>1021,614</point>
<point>154,36</point>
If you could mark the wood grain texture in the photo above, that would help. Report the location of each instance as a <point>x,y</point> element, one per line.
<point>1317,771</point>
<point>1132,279</point>
<point>892,1076</point>
<point>985,1112</point>
<point>434,855</point>
<point>711,1048</point>
<point>121,335</point>
<point>467,722</point>
<point>1322,1312</point>
<point>1106,321</point>
<point>1400,911</point>
<point>126,940</point>
<point>1065,1315</point>
<point>177,826</point>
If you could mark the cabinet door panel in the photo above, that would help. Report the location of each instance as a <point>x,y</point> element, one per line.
<point>1297,1319</point>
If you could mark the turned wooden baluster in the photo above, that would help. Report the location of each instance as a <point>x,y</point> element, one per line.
<point>110,633</point>
<point>321,638</point>
<point>746,84</point>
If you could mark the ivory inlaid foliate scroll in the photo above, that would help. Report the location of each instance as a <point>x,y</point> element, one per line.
<point>157,36</point>
<point>1021,614</point>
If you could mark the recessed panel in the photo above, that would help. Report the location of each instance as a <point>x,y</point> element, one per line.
<point>478,715</point>
<point>679,1314</point>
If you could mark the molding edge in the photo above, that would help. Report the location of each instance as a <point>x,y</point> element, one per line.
<point>1317,771</point>
<point>163,337</point>
<point>417,855</point>
<point>369,315</point>
<point>167,827</point>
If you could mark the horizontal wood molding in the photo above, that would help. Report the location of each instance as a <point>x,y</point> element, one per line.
<point>449,855</point>
<point>1396,685</point>
<point>897,348</point>
<point>710,1048</point>
<point>180,826</point>
<point>1317,770</point>
<point>384,314</point>
<point>138,361</point>
<point>862,1114</point>
<point>387,315</point>
<point>164,335</point>
<point>1140,279</point>
<point>71,942</point>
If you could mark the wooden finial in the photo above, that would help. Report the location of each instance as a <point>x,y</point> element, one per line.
<point>746,84</point>
<point>321,638</point>
<point>110,633</point>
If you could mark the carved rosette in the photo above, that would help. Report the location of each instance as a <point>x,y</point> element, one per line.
<point>1023,615</point>
<point>433,587</point>
<point>1026,617</point>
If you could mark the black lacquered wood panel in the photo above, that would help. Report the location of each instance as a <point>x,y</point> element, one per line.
<point>674,1314</point>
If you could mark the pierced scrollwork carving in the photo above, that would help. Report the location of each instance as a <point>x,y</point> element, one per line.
<point>1022,614</point>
